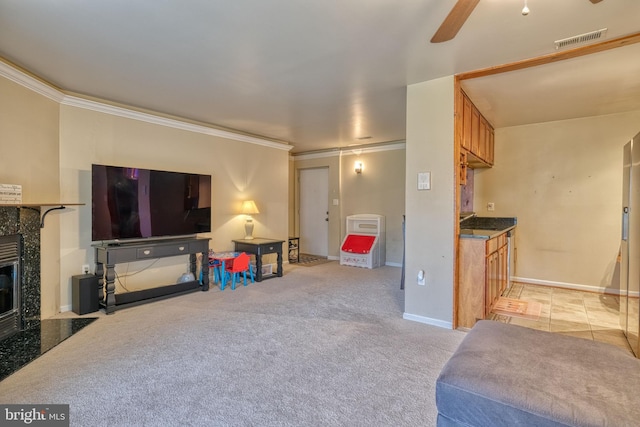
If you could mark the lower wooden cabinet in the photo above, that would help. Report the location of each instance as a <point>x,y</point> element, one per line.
<point>482,277</point>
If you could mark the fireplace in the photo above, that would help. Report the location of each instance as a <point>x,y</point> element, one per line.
<point>19,268</point>
<point>10,284</point>
<point>23,335</point>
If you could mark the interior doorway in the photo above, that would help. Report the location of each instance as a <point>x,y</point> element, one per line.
<point>314,211</point>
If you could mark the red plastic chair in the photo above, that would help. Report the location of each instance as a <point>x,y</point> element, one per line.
<point>239,265</point>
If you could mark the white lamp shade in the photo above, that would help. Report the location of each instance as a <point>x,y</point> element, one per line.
<point>249,207</point>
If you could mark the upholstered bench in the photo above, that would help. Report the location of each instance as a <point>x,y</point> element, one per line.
<point>507,375</point>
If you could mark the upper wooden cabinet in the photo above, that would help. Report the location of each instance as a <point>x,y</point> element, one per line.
<point>476,135</point>
<point>467,106</point>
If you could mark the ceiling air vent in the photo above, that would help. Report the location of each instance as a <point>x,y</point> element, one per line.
<point>582,38</point>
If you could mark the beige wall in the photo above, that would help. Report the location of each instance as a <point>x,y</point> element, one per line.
<point>378,190</point>
<point>56,144</point>
<point>430,213</point>
<point>563,180</point>
<point>29,141</point>
<point>239,171</point>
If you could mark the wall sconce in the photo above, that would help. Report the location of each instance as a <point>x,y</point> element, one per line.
<point>249,208</point>
<point>359,166</point>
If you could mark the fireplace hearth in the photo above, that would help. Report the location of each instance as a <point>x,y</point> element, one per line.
<point>26,345</point>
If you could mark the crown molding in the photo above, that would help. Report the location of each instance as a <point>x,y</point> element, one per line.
<point>113,110</point>
<point>29,82</point>
<point>397,145</point>
<point>35,85</point>
<point>316,155</point>
<point>347,151</point>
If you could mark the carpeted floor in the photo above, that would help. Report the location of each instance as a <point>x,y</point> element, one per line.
<point>323,346</point>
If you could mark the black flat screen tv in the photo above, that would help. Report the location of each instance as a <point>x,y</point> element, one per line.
<point>133,203</point>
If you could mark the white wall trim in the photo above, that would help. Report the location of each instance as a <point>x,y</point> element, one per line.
<point>66,308</point>
<point>163,121</point>
<point>355,151</point>
<point>427,320</point>
<point>393,264</point>
<point>30,82</point>
<point>319,155</point>
<point>346,151</point>
<point>333,258</point>
<point>54,94</point>
<point>573,286</point>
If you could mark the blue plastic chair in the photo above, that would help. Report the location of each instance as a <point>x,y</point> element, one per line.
<point>216,265</point>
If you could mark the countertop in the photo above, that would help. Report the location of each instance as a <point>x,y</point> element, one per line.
<point>486,227</point>
<point>473,233</point>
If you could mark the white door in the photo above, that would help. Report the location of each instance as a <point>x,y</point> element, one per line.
<point>314,211</point>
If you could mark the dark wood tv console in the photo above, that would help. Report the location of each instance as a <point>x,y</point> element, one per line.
<point>110,254</point>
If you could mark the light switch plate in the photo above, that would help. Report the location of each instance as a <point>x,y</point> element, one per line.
<point>336,202</point>
<point>424,180</point>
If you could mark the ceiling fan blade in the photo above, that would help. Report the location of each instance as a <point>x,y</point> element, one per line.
<point>454,20</point>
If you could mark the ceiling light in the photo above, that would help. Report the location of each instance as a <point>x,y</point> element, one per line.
<point>525,9</point>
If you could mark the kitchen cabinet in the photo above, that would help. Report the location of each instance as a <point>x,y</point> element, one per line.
<point>483,276</point>
<point>467,106</point>
<point>489,143</point>
<point>475,131</point>
<point>477,135</point>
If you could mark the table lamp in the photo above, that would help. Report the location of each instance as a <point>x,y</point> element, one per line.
<point>249,208</point>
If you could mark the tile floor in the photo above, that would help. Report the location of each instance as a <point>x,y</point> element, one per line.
<point>582,314</point>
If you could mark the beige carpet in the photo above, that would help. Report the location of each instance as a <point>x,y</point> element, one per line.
<point>322,346</point>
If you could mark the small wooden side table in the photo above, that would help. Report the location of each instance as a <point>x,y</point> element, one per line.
<point>258,247</point>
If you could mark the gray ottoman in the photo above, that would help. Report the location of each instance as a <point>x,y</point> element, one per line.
<point>506,375</point>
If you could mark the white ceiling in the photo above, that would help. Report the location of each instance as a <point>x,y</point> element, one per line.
<point>320,74</point>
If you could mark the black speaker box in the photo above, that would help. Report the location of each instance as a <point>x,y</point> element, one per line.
<point>84,292</point>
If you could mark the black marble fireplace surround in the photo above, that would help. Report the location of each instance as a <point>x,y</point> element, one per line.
<point>10,279</point>
<point>26,222</point>
<point>34,336</point>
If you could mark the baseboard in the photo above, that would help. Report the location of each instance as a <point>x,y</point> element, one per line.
<point>427,320</point>
<point>572,286</point>
<point>333,258</point>
<point>66,308</point>
<point>393,264</point>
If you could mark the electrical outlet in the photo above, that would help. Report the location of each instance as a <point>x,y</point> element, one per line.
<point>85,268</point>
<point>420,278</point>
<point>491,206</point>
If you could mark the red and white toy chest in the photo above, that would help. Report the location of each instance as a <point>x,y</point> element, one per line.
<point>365,243</point>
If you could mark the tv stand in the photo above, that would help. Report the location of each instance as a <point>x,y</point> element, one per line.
<point>109,255</point>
